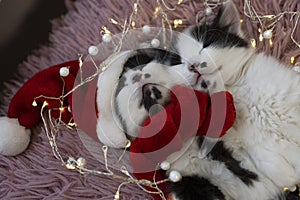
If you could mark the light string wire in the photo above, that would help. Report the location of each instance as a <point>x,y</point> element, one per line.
<point>78,165</point>
<point>213,4</point>
<point>52,127</point>
<point>165,22</point>
<point>268,22</point>
<point>294,29</point>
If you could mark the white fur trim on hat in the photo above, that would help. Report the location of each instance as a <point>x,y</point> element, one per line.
<point>109,129</point>
<point>14,138</point>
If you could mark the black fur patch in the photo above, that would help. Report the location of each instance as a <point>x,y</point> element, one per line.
<point>220,153</point>
<point>156,93</point>
<point>147,75</point>
<point>148,101</point>
<point>147,55</point>
<point>121,84</point>
<point>216,35</point>
<point>195,188</point>
<point>204,84</point>
<point>291,195</point>
<point>144,56</point>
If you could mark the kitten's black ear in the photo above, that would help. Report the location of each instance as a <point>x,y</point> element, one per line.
<point>229,17</point>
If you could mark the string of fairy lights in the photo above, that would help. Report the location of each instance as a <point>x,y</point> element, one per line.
<point>267,24</point>
<point>52,126</point>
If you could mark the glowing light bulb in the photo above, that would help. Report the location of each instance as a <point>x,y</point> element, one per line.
<point>113,21</point>
<point>259,30</point>
<point>128,144</point>
<point>261,38</point>
<point>117,196</point>
<point>34,103</point>
<point>157,10</point>
<point>271,42</point>
<point>177,22</point>
<point>285,189</point>
<point>133,24</point>
<point>292,60</point>
<point>253,42</point>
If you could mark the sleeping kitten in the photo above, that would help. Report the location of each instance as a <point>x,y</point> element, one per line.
<point>144,86</point>
<point>265,139</point>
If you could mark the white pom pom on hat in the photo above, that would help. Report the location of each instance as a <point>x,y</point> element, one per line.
<point>14,137</point>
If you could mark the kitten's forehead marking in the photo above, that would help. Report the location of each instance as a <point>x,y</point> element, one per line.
<point>203,64</point>
<point>147,75</point>
<point>213,34</point>
<point>137,77</point>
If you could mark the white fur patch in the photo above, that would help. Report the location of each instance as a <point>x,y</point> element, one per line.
<point>266,133</point>
<point>265,136</point>
<point>267,127</point>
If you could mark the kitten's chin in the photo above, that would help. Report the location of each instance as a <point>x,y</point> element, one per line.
<point>196,80</point>
<point>192,79</point>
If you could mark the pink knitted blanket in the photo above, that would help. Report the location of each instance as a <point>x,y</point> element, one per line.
<point>36,174</point>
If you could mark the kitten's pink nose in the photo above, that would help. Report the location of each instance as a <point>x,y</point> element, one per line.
<point>194,67</point>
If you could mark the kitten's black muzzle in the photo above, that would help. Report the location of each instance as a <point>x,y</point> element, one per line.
<point>150,95</point>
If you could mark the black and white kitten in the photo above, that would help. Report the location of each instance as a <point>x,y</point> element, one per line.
<point>144,85</point>
<point>257,158</point>
<point>265,139</point>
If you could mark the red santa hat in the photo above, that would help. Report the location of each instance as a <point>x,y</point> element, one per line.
<point>25,107</point>
<point>190,113</point>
